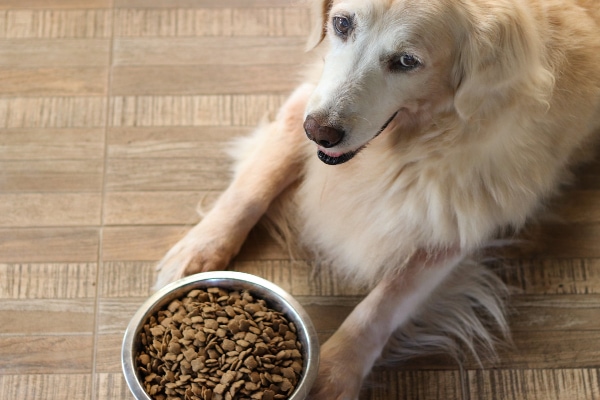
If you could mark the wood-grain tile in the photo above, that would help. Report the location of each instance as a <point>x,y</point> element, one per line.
<point>53,23</point>
<point>111,386</point>
<point>200,110</point>
<point>555,313</point>
<point>195,174</point>
<point>553,276</point>
<point>172,142</point>
<point>139,243</point>
<point>385,384</point>
<point>54,4</point>
<point>155,208</point>
<point>201,3</point>
<point>212,22</point>
<point>560,349</point>
<point>53,176</point>
<point>54,53</point>
<point>152,22</point>
<point>57,354</point>
<point>46,387</point>
<point>53,112</point>
<point>115,313</point>
<point>49,209</point>
<point>86,81</point>
<point>560,240</point>
<point>190,80</point>
<point>550,384</point>
<point>108,352</point>
<point>51,144</point>
<point>48,281</point>
<point>209,51</point>
<point>150,243</point>
<point>47,317</point>
<point>126,279</point>
<point>48,245</point>
<point>579,206</point>
<point>156,111</point>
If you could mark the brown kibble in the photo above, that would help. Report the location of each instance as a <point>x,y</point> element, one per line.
<point>251,363</point>
<point>144,359</point>
<point>174,348</point>
<point>268,395</point>
<point>228,345</point>
<point>220,389</point>
<point>228,377</point>
<point>244,325</point>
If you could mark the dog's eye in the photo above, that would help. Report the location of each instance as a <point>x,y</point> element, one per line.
<point>404,62</point>
<point>342,26</point>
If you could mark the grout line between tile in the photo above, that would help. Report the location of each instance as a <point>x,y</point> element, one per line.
<point>99,269</point>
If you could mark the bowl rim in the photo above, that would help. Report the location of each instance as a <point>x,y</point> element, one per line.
<point>306,330</point>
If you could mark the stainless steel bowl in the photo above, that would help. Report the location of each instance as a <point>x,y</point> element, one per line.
<point>276,298</point>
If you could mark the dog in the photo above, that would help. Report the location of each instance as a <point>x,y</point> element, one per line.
<point>427,130</point>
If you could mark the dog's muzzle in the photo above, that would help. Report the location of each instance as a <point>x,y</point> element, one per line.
<point>323,135</point>
<point>326,137</point>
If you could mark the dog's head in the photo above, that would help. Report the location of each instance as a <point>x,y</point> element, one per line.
<point>407,61</point>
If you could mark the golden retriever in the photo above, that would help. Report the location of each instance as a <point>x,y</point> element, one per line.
<point>432,126</point>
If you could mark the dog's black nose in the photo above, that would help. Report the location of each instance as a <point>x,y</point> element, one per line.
<point>325,136</point>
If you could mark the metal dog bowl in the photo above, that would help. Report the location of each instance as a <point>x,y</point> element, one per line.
<point>276,298</point>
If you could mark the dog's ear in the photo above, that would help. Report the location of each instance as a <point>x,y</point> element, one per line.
<point>320,15</point>
<point>501,57</point>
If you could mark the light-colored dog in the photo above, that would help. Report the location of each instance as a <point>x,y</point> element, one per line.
<point>434,125</point>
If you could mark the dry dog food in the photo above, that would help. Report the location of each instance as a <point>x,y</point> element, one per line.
<point>216,344</point>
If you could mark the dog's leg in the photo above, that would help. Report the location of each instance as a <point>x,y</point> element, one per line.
<point>273,163</point>
<point>348,356</point>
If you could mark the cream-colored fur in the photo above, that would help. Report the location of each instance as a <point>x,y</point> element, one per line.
<point>504,99</point>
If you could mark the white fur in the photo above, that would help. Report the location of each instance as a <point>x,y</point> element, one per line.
<point>506,99</point>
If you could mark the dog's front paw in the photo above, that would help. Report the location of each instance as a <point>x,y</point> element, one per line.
<point>340,372</point>
<point>194,253</point>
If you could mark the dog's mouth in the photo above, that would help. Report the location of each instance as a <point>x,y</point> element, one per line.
<point>332,158</point>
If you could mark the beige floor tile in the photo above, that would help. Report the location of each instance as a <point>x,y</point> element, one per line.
<point>115,313</point>
<point>212,22</point>
<point>138,243</point>
<point>108,352</point>
<point>112,386</point>
<point>46,387</point>
<point>199,3</point>
<point>55,4</point>
<point>45,317</point>
<point>126,279</point>
<point>208,51</point>
<point>171,142</point>
<point>191,111</point>
<point>52,112</point>
<point>57,354</point>
<point>167,80</point>
<point>49,209</point>
<point>51,144</point>
<point>154,208</point>
<point>53,176</point>
<point>48,281</point>
<point>54,53</point>
<point>53,23</point>
<point>85,81</point>
<point>43,245</point>
<point>186,174</point>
